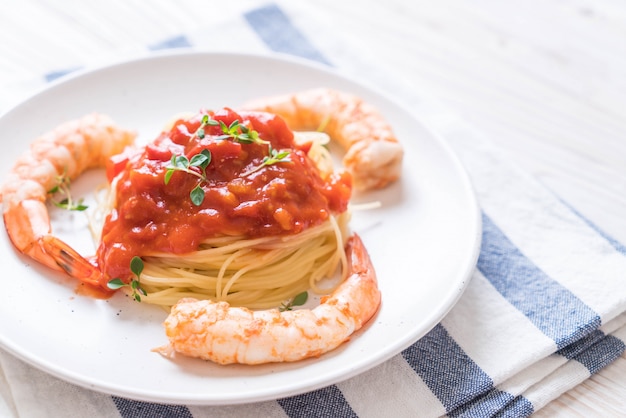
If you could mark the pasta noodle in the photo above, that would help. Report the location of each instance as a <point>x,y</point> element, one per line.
<point>257,273</point>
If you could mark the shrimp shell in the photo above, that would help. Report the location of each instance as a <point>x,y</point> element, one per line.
<point>373,153</point>
<point>68,150</point>
<point>223,334</point>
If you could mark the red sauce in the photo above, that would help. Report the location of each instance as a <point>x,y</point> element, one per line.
<point>278,199</point>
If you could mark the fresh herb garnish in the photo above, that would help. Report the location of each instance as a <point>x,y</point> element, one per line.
<point>181,163</point>
<point>136,266</point>
<point>274,157</point>
<point>299,300</point>
<point>239,133</point>
<point>205,121</point>
<point>197,165</point>
<point>63,186</point>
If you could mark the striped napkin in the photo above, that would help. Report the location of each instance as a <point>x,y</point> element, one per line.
<point>544,310</point>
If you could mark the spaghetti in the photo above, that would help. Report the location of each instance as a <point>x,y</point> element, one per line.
<point>257,273</point>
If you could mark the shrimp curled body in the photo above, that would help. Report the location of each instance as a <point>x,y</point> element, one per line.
<point>223,334</point>
<point>373,154</point>
<point>66,151</point>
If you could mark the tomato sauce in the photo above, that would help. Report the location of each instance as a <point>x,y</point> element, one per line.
<point>242,197</point>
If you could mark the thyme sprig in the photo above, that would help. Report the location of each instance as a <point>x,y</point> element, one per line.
<point>198,163</point>
<point>275,156</point>
<point>182,163</point>
<point>62,186</point>
<point>204,122</point>
<point>298,300</point>
<point>238,132</point>
<point>136,266</point>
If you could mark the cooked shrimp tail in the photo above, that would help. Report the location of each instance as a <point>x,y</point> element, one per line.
<point>69,260</point>
<point>373,153</point>
<point>66,151</point>
<point>223,334</point>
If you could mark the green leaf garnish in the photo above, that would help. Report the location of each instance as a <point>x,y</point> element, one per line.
<point>63,186</point>
<point>68,204</point>
<point>274,157</point>
<point>168,176</point>
<point>179,161</point>
<point>201,160</point>
<point>197,195</point>
<point>182,163</point>
<point>298,300</point>
<point>136,266</point>
<point>116,284</point>
<point>239,133</point>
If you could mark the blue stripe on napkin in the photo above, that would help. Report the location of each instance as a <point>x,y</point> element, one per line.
<point>601,354</point>
<point>53,75</point>
<point>520,407</point>
<point>462,387</point>
<point>170,43</point>
<point>461,381</point>
<point>556,311</point>
<point>574,349</point>
<point>619,247</point>
<point>137,409</point>
<point>175,42</point>
<point>278,33</point>
<point>594,351</point>
<point>326,402</point>
<point>493,403</point>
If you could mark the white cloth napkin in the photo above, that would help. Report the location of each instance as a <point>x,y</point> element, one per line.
<point>543,311</point>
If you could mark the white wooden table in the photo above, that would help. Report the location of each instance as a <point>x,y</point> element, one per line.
<point>543,79</point>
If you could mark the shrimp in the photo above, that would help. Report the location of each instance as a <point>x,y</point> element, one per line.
<point>66,151</point>
<point>223,334</point>
<point>373,153</point>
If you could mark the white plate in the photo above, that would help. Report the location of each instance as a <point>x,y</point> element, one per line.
<point>424,241</point>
